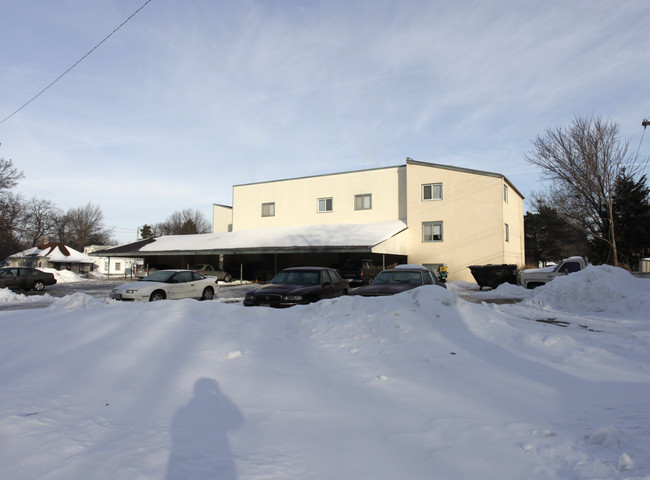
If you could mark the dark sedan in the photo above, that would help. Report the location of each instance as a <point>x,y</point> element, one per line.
<point>397,280</point>
<point>25,278</point>
<point>298,286</point>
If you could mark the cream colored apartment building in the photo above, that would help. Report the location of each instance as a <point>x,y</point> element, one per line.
<point>453,216</point>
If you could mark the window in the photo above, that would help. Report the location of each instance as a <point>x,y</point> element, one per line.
<point>507,232</point>
<point>106,265</point>
<point>324,205</point>
<point>431,191</point>
<point>569,267</point>
<point>505,193</point>
<point>363,202</point>
<point>432,231</point>
<point>268,209</point>
<point>118,266</point>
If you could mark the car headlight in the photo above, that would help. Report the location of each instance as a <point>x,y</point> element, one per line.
<point>292,298</point>
<point>130,291</point>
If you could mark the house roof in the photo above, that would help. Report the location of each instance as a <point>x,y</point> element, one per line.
<point>300,238</point>
<point>55,252</point>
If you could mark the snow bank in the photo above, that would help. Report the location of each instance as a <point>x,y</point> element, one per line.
<point>64,276</point>
<point>596,289</point>
<point>414,386</point>
<point>7,296</point>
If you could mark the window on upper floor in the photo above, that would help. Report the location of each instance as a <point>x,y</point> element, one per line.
<point>268,209</point>
<point>505,193</point>
<point>431,191</point>
<point>432,231</point>
<point>363,202</point>
<point>325,205</point>
<point>507,232</point>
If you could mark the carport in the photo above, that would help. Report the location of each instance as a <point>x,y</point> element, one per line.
<point>259,254</point>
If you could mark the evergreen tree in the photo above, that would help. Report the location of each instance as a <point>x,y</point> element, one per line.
<point>551,238</point>
<point>631,209</point>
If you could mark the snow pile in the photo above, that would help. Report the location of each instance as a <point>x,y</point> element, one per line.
<point>596,289</point>
<point>419,385</point>
<point>63,276</point>
<point>9,297</point>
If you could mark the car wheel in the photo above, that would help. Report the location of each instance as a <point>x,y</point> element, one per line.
<point>227,278</point>
<point>531,285</point>
<point>208,293</point>
<point>157,295</point>
<point>38,286</point>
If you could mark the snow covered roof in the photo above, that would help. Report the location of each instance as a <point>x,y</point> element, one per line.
<point>333,237</point>
<point>56,253</point>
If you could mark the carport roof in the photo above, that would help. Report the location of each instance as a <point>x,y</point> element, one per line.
<point>360,237</point>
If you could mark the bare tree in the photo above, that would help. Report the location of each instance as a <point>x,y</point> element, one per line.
<point>62,227</point>
<point>82,226</point>
<point>10,213</point>
<point>582,163</point>
<point>38,220</point>
<point>9,175</point>
<point>185,222</point>
<point>10,210</point>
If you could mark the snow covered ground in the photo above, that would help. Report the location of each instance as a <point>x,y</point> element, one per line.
<point>418,386</point>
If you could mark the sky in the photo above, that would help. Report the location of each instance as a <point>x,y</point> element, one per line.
<point>187,99</point>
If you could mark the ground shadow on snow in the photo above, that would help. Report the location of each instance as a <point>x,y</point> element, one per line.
<point>199,431</point>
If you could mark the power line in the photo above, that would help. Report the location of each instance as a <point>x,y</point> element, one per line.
<point>76,63</point>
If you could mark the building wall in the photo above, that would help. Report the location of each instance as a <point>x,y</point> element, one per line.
<point>473,214</point>
<point>473,211</point>
<point>111,265</point>
<point>296,201</point>
<point>221,218</point>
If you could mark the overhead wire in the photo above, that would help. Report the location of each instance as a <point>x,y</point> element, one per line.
<point>76,63</point>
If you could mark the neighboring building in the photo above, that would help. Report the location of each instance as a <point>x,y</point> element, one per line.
<point>111,266</point>
<point>53,255</point>
<point>419,212</point>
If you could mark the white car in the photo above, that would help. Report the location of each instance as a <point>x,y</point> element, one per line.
<point>167,284</point>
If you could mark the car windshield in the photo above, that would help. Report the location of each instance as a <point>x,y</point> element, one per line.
<point>159,276</point>
<point>412,278</point>
<point>297,277</point>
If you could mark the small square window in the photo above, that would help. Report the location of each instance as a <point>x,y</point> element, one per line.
<point>268,209</point>
<point>432,232</point>
<point>325,205</point>
<point>431,191</point>
<point>363,202</point>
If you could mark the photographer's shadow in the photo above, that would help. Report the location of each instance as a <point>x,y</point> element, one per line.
<point>199,431</point>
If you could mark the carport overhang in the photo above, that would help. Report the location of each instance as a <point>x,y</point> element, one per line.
<point>383,238</point>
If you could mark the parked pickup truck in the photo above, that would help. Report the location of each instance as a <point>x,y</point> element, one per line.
<point>534,277</point>
<point>360,272</point>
